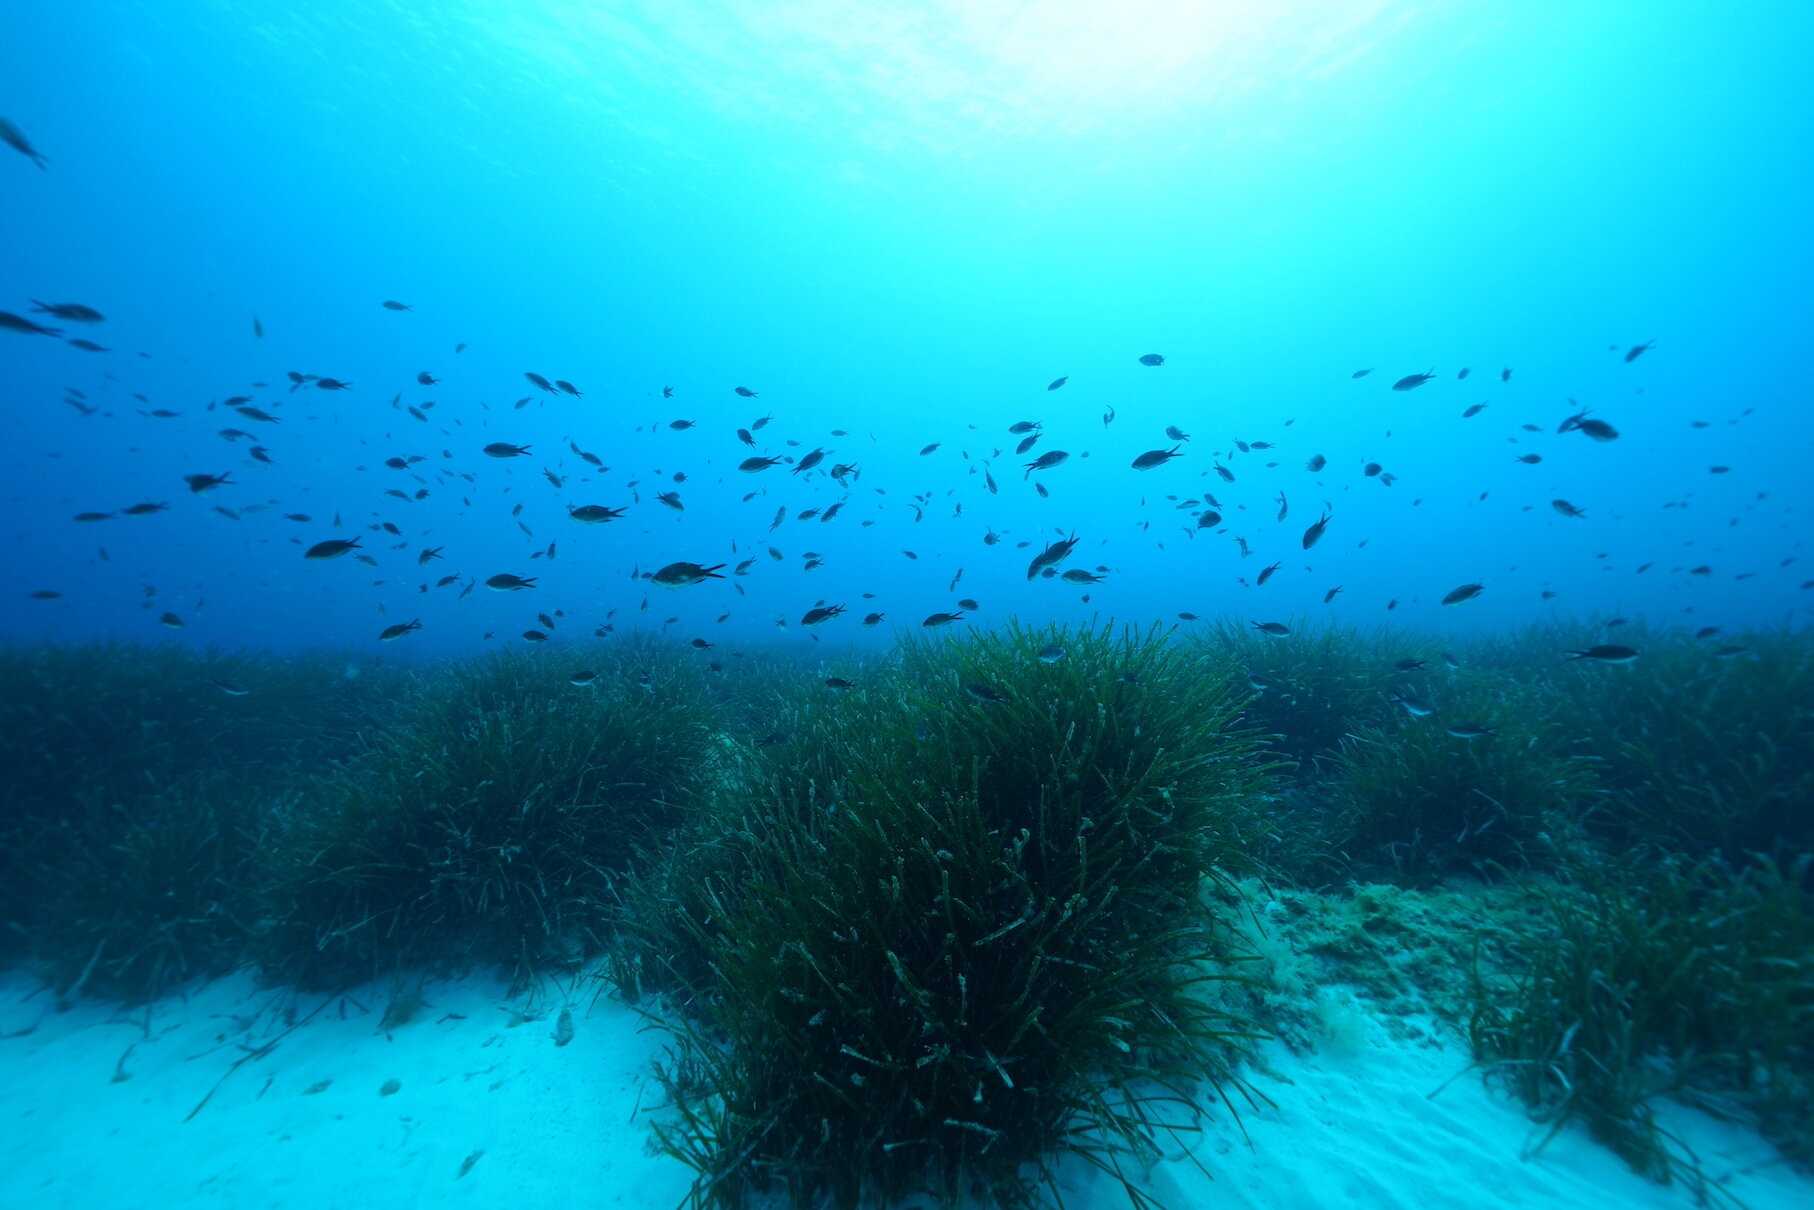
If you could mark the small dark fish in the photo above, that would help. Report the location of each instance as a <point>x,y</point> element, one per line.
<point>680,426</point>
<point>1176,433</point>
<point>1473,410</point>
<point>839,683</point>
<point>1051,556</point>
<point>809,461</point>
<point>505,582</point>
<point>984,693</point>
<point>1045,461</point>
<point>145,509</point>
<point>1465,592</point>
<point>94,516</point>
<point>15,138</point>
<point>391,304</point>
<point>1152,359</point>
<point>941,619</point>
<point>73,312</point>
<point>1265,574</point>
<point>1529,459</point>
<point>1057,382</point>
<point>1317,462</point>
<point>1461,375</point>
<point>1330,595</point>
<point>1275,629</point>
<point>672,500</point>
<point>680,575</point>
<point>538,381</point>
<point>1361,373</point>
<point>1606,653</point>
<point>594,514</point>
<point>202,483</point>
<point>569,388</point>
<point>1410,382</point>
<point>752,465</point>
<point>18,323</point>
<point>1153,458</point>
<point>1051,653</point>
<point>1598,430</point>
<point>1637,351</point>
<point>745,392</point>
<point>1315,532</point>
<point>1412,706</point>
<point>398,630</point>
<point>427,379</point>
<point>873,619</point>
<point>1567,509</point>
<point>503,449</point>
<point>333,548</point>
<point>332,384</point>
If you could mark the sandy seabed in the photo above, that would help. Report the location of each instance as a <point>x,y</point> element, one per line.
<point>99,1106</point>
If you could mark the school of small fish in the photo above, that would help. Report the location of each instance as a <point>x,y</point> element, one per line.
<point>435,452</point>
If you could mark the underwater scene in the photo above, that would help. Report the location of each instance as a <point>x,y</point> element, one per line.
<point>796,603</point>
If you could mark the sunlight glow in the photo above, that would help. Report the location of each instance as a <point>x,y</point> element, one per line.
<point>1083,54</point>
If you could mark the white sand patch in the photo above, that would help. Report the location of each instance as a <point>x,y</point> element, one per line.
<point>553,1123</point>
<point>1352,1127</point>
<point>1355,1126</point>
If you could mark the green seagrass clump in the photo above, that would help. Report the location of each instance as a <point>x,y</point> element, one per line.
<point>488,823</point>
<point>1310,688</point>
<point>971,936</point>
<point>1659,976</point>
<point>140,783</point>
<point>1485,782</point>
<point>1702,743</point>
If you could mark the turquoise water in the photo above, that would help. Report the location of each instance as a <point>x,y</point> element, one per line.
<point>903,223</point>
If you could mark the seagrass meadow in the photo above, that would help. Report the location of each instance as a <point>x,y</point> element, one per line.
<point>528,676</point>
<point>937,920</point>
